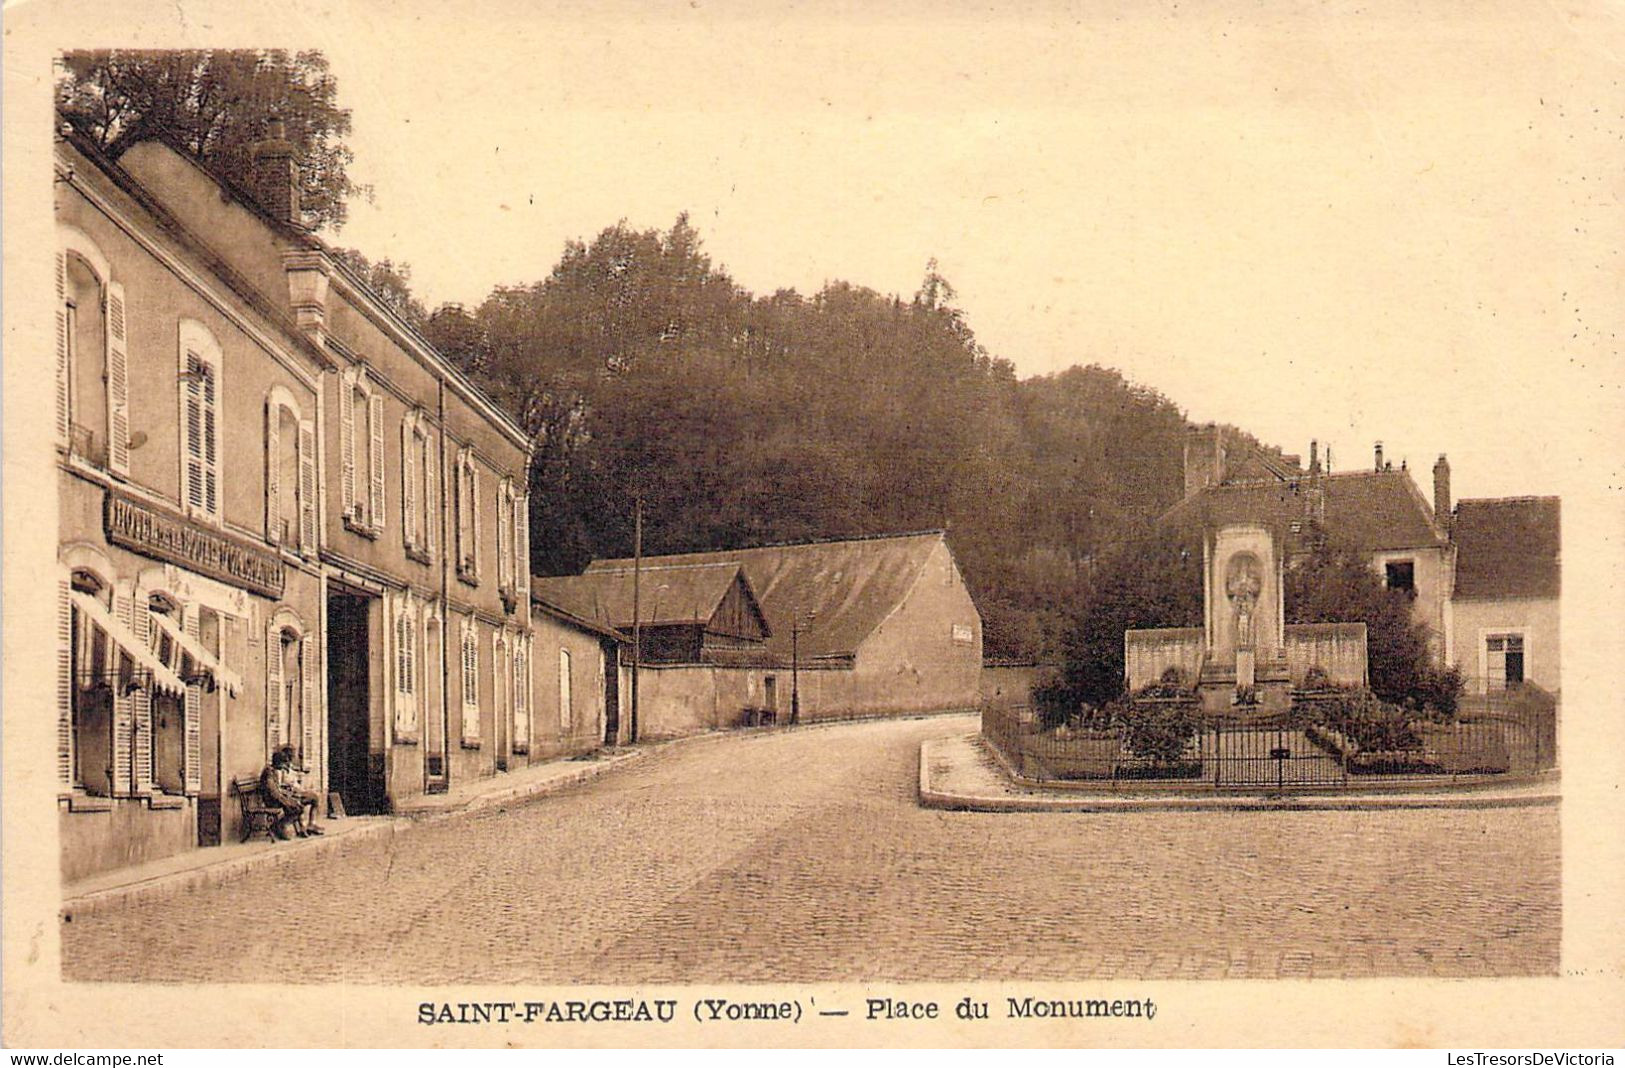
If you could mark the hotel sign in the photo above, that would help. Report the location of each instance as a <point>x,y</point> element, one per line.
<point>137,525</point>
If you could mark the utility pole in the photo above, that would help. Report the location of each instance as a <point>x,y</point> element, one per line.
<point>637,616</point>
<point>795,668</point>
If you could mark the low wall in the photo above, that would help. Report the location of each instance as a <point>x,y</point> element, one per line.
<point>1336,648</point>
<point>1149,653</point>
<point>1009,684</point>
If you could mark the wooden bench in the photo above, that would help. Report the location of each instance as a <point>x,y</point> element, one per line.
<point>257,814</point>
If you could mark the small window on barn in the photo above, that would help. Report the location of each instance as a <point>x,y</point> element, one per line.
<point>1402,576</point>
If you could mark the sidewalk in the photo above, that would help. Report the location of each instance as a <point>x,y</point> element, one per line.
<point>961,773</point>
<point>218,864</point>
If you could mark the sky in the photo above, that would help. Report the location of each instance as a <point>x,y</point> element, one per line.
<point>1347,222</point>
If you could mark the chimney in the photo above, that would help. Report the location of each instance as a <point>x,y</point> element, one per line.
<point>1204,458</point>
<point>1441,491</point>
<point>1314,457</point>
<point>274,175</point>
<point>1379,456</point>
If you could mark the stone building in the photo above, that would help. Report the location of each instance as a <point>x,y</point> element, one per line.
<point>579,676</point>
<point>189,567</point>
<point>284,517</point>
<point>856,627</point>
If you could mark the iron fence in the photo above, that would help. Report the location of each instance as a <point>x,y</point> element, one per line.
<point>1307,748</point>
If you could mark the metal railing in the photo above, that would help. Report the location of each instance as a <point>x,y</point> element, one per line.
<point>1310,747</point>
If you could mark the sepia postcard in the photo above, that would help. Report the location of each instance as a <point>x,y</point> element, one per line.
<point>813,525</point>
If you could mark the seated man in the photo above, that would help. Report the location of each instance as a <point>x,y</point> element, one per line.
<point>294,784</point>
<point>281,787</point>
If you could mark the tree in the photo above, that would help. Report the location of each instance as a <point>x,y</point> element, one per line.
<point>1148,582</point>
<point>213,104</point>
<point>391,282</point>
<point>1336,585</point>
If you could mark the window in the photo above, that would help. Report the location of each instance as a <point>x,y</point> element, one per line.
<point>468,517</point>
<point>200,421</point>
<point>292,674</point>
<point>161,749</point>
<point>290,474</point>
<point>420,513</point>
<point>521,696</point>
<point>85,735</point>
<point>504,533</point>
<point>1401,575</point>
<point>361,439</point>
<point>1503,661</point>
<point>471,685</point>
<point>407,682</point>
<point>92,356</point>
<point>566,713</point>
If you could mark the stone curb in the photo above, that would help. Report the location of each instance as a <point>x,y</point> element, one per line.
<point>931,796</point>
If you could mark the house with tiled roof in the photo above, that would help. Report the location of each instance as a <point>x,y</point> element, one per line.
<point>1483,574</point>
<point>1505,601</point>
<point>851,627</point>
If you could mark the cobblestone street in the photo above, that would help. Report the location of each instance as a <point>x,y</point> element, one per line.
<point>802,856</point>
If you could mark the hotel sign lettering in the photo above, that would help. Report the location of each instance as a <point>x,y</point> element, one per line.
<point>136,525</point>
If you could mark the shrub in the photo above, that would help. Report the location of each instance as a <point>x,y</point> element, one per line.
<point>1316,678</point>
<point>1158,732</point>
<point>1368,722</point>
<point>1438,692</point>
<point>1054,702</point>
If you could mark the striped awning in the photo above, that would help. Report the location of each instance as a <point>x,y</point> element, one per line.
<point>163,679</point>
<point>225,678</point>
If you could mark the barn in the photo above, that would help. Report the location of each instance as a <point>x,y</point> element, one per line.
<point>856,627</point>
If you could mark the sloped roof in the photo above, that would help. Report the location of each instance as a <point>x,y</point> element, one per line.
<point>1371,511</point>
<point>842,590</point>
<point>669,593</point>
<point>1508,547</point>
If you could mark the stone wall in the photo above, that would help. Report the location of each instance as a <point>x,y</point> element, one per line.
<point>1148,653</point>
<point>1336,648</point>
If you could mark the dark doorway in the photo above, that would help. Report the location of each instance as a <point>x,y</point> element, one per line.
<point>352,772</point>
<point>1514,660</point>
<point>612,692</point>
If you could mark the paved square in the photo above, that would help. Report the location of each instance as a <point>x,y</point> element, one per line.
<point>802,856</point>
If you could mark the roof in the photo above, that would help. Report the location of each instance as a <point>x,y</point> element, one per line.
<point>1371,511</point>
<point>669,593</point>
<point>408,335</point>
<point>1508,547</point>
<point>841,590</point>
<point>580,622</point>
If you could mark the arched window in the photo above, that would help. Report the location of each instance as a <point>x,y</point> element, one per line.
<point>93,676</point>
<point>290,473</point>
<point>468,517</point>
<point>92,356</point>
<point>292,674</point>
<point>200,389</point>
<point>361,440</point>
<point>420,502</point>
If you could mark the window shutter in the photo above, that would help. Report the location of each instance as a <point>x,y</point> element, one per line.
<point>211,431</point>
<point>141,701</point>
<point>192,432</point>
<point>347,446</point>
<point>64,679</point>
<point>521,545</point>
<point>504,531</point>
<point>375,426</point>
<point>61,348</point>
<point>431,501</point>
<point>474,494</point>
<point>521,696</point>
<point>307,486</point>
<point>471,686</point>
<point>311,670</point>
<point>192,738</point>
<point>273,688</point>
<point>409,515</point>
<point>118,382</point>
<point>465,524</point>
<point>273,473</point>
<point>123,707</point>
